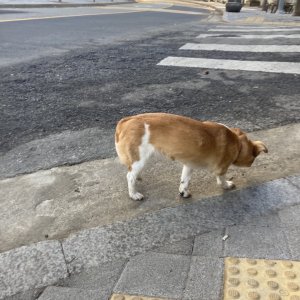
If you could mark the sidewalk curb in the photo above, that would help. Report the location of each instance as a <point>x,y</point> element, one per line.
<point>261,20</point>
<point>219,11</point>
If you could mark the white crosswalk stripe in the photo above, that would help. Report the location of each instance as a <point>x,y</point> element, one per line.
<point>257,29</point>
<point>241,48</point>
<point>250,36</point>
<point>255,45</point>
<point>243,65</point>
<point>249,27</point>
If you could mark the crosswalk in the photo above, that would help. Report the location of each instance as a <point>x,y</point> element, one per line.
<point>254,39</point>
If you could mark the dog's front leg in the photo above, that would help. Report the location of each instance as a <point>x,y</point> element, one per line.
<point>225,184</point>
<point>184,182</point>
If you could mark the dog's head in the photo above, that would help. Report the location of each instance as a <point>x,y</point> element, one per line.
<point>249,150</point>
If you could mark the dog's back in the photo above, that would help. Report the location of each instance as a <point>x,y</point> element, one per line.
<point>179,138</point>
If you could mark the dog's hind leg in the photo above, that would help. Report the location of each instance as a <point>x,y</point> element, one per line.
<point>184,181</point>
<point>145,151</point>
<point>132,177</point>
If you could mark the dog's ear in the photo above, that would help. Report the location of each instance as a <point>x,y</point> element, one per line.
<point>259,147</point>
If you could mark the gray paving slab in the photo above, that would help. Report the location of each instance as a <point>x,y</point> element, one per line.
<point>268,197</point>
<point>184,247</point>
<point>30,267</point>
<point>290,216</point>
<point>102,278</point>
<point>295,180</point>
<point>28,295</point>
<point>257,242</point>
<point>125,239</point>
<point>265,220</point>
<point>279,194</point>
<point>155,274</point>
<point>209,244</point>
<point>205,279</point>
<point>242,206</point>
<point>251,216</point>
<point>64,293</point>
<point>293,237</point>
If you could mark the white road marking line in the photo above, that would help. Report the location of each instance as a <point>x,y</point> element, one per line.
<point>241,65</point>
<point>250,26</point>
<point>174,11</point>
<point>254,29</point>
<point>67,16</point>
<point>241,48</point>
<point>250,36</point>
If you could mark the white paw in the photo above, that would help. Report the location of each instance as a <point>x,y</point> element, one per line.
<point>185,193</point>
<point>137,196</point>
<point>228,185</point>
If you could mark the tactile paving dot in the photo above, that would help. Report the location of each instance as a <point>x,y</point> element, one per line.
<point>132,297</point>
<point>261,279</point>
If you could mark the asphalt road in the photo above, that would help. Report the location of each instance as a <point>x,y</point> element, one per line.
<point>54,31</point>
<point>61,107</point>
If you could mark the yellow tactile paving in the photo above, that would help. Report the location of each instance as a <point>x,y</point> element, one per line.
<point>261,279</point>
<point>129,297</point>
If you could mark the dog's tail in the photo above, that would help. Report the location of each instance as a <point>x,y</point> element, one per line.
<point>118,128</point>
<point>117,138</point>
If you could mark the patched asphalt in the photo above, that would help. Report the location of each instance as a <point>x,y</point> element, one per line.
<point>52,99</point>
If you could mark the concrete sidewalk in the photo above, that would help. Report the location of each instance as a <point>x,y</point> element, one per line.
<point>93,241</point>
<point>248,15</point>
<point>52,204</point>
<point>173,253</point>
<point>257,16</point>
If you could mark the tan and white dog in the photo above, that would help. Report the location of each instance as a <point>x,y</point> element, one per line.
<point>194,143</point>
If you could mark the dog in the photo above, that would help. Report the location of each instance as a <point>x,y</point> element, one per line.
<point>194,143</point>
